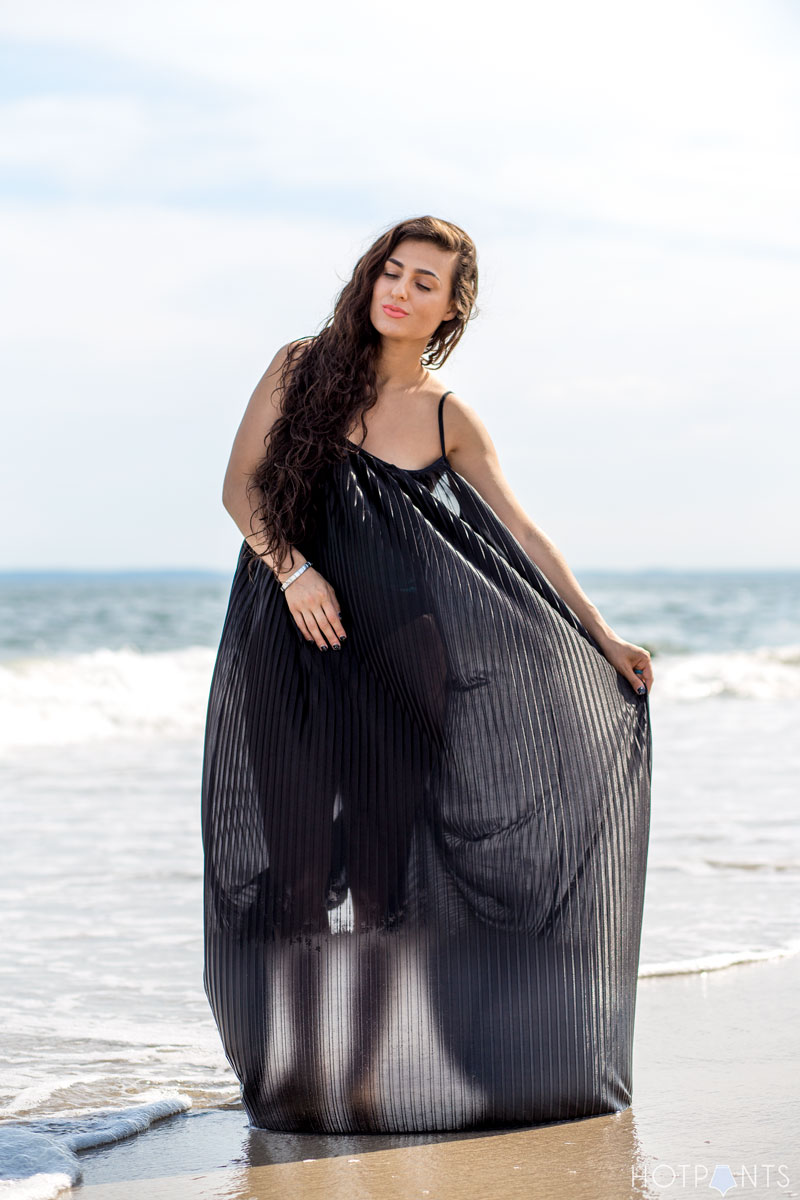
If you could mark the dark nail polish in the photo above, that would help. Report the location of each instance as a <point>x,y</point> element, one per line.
<point>342,636</point>
<point>641,690</point>
<point>323,647</point>
<point>336,646</point>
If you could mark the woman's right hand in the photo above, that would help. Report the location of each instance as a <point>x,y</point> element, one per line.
<point>313,604</point>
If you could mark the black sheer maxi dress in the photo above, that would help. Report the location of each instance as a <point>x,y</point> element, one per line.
<point>425,853</point>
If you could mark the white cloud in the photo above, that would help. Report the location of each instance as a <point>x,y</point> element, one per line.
<point>629,174</point>
<point>672,120</point>
<point>72,140</point>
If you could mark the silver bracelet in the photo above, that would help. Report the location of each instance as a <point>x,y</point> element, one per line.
<point>292,578</point>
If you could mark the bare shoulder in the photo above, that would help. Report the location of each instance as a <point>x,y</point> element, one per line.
<point>464,430</point>
<point>262,411</point>
<point>472,455</point>
<point>293,349</point>
<point>301,341</point>
<point>267,387</point>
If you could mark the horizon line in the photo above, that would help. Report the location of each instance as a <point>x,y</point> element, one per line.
<point>229,570</point>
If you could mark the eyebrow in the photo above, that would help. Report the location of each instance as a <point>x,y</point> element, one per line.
<point>419,270</point>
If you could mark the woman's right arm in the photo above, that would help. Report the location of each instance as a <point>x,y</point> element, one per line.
<point>310,598</point>
<point>262,410</point>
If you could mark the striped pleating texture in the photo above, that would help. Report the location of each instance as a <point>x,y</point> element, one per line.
<point>425,853</point>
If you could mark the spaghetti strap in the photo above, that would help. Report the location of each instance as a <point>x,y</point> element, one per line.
<point>441,424</point>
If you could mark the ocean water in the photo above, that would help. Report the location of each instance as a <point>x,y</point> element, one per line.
<point>103,688</point>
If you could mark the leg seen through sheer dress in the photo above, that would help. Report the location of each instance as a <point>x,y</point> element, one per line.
<point>384,800</point>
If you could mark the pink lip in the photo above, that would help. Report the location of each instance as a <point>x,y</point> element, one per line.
<point>394,312</point>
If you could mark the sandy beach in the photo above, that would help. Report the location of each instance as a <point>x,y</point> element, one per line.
<point>715,1108</point>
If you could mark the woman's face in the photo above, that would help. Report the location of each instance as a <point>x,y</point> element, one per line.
<point>411,296</point>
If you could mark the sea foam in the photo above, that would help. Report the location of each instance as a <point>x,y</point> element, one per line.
<point>38,1166</point>
<point>103,694</point>
<point>107,694</point>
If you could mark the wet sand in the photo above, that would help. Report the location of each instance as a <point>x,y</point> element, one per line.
<point>716,1106</point>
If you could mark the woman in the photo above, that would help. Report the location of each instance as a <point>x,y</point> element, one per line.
<point>427,762</point>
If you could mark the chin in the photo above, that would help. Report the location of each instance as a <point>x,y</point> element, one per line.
<point>387,325</point>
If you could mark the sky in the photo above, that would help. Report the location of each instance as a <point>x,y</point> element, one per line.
<point>185,187</point>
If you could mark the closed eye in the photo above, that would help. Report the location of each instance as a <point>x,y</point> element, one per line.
<point>419,285</point>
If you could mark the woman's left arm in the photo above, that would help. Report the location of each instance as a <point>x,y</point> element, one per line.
<point>472,454</point>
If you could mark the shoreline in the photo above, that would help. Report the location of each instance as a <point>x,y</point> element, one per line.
<point>714,1065</point>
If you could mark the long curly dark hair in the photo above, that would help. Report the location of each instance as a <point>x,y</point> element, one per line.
<point>330,377</point>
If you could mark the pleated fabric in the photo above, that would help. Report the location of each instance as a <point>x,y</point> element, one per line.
<point>425,853</point>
